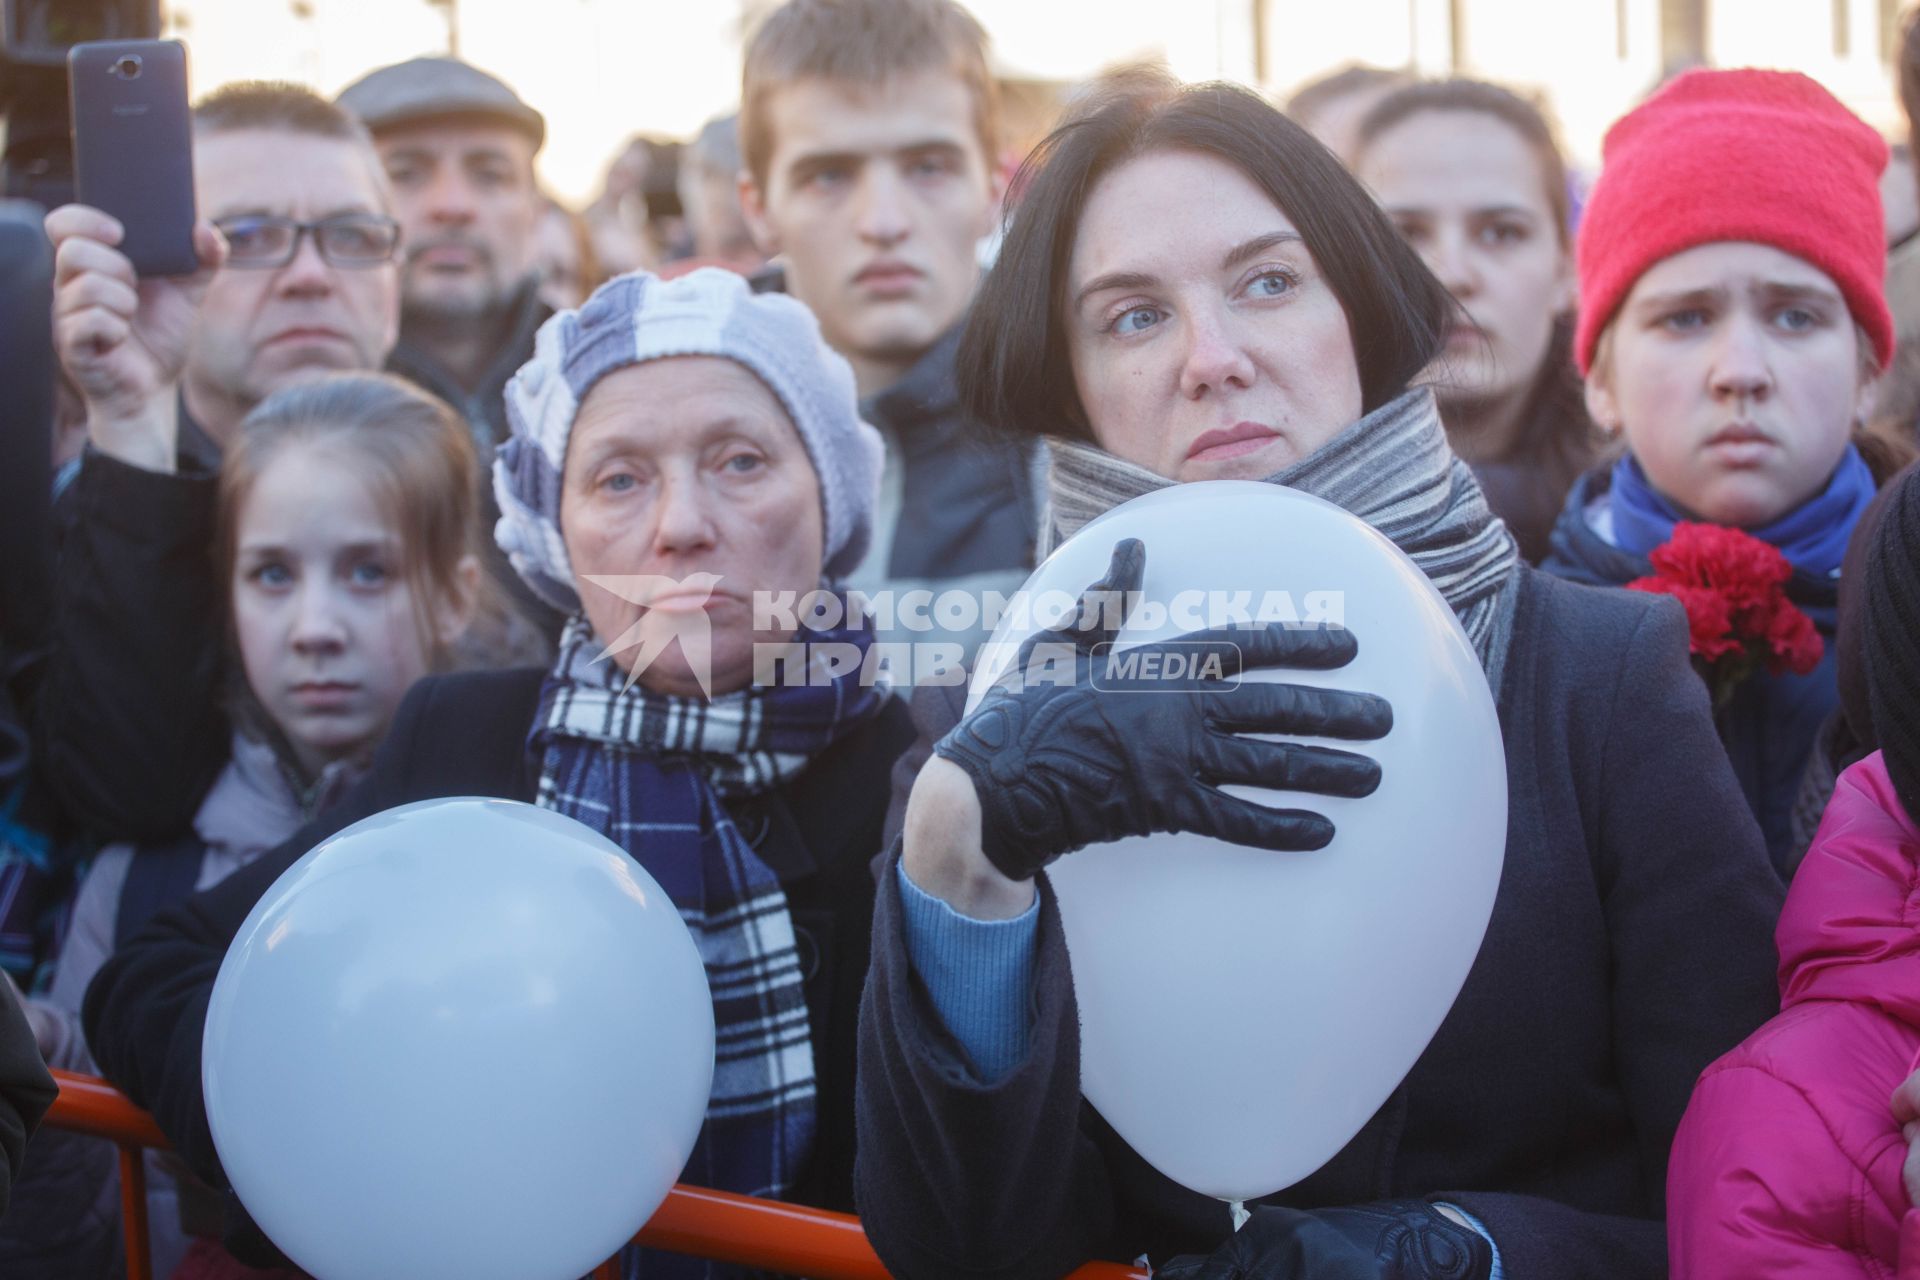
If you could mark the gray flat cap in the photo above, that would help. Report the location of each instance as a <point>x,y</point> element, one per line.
<point>433,88</point>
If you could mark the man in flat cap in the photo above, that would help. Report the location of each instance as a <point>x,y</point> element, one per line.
<point>458,147</point>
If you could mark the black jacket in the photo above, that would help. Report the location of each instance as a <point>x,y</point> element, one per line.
<point>1631,944</point>
<point>128,730</point>
<point>484,406</point>
<point>466,735</point>
<point>966,494</point>
<point>26,1091</point>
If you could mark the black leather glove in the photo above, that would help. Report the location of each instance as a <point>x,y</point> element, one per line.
<point>1062,764</point>
<point>1390,1240</point>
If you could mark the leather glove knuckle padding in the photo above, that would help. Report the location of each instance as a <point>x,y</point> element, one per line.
<point>1087,755</point>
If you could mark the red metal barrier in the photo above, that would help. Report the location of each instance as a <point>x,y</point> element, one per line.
<point>708,1224</point>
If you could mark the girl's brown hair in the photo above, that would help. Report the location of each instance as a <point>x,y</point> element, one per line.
<point>415,454</point>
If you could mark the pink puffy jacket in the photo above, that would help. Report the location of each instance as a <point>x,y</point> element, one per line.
<point>1787,1163</point>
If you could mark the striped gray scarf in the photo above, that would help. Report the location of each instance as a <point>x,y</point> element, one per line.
<point>1393,469</point>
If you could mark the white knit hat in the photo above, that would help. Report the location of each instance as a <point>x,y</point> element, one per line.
<point>639,317</point>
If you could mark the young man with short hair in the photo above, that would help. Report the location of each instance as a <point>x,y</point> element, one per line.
<point>867,133</point>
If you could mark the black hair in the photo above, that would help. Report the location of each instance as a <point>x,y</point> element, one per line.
<point>1012,364</point>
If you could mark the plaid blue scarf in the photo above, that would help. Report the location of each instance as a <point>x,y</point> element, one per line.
<point>653,773</point>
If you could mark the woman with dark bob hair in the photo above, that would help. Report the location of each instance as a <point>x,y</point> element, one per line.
<point>1193,289</point>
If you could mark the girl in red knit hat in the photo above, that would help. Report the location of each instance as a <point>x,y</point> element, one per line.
<point>1732,328</point>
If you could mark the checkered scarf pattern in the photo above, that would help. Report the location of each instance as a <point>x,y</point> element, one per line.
<point>653,773</point>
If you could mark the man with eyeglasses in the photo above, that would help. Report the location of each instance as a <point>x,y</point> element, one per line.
<point>305,283</point>
<point>299,278</point>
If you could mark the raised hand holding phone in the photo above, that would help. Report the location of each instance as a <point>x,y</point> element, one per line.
<point>123,339</point>
<point>131,260</point>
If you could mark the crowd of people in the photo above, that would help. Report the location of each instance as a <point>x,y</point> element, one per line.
<point>333,522</point>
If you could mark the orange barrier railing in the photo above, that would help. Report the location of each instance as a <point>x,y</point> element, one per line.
<point>708,1224</point>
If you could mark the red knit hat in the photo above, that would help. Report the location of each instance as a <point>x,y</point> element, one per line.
<point>1764,156</point>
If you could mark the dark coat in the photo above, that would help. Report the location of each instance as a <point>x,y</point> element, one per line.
<point>484,404</point>
<point>26,1091</point>
<point>966,497</point>
<point>1631,944</point>
<point>466,735</point>
<point>128,730</point>
<point>1769,726</point>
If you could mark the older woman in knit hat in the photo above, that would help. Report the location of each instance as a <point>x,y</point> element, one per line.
<point>679,448</point>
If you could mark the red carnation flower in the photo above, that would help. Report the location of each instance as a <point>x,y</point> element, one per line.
<point>1709,616</point>
<point>1734,589</point>
<point>1794,642</point>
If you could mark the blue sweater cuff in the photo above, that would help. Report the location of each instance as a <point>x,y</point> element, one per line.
<point>979,974</point>
<point>1480,1228</point>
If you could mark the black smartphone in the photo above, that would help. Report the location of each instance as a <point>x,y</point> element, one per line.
<point>133,147</point>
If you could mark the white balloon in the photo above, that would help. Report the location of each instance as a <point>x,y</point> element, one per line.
<point>1244,1013</point>
<point>463,1038</point>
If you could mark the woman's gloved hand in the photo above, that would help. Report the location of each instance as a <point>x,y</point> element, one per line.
<point>1390,1240</point>
<point>1061,763</point>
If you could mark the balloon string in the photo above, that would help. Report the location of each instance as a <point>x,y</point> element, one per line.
<point>1238,1208</point>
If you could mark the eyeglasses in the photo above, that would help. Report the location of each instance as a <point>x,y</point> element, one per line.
<point>344,240</point>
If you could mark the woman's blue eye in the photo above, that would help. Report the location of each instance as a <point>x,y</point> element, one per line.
<point>1136,320</point>
<point>272,575</point>
<point>743,462</point>
<point>1691,318</point>
<point>369,574</point>
<point>618,482</point>
<point>1502,233</point>
<point>1271,284</point>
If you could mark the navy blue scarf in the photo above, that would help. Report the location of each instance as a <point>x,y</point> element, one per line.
<point>1813,536</point>
<point>653,773</point>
